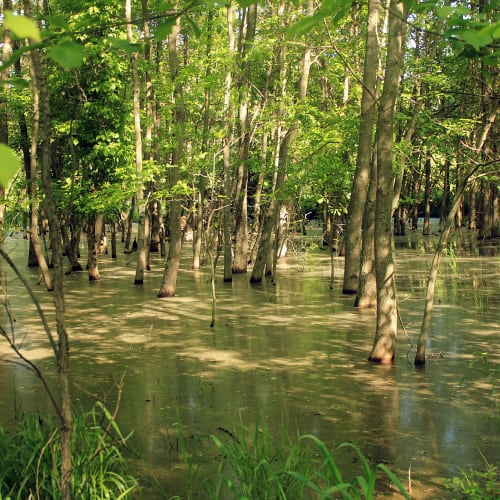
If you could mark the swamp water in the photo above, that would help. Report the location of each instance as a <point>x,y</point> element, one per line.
<point>290,356</point>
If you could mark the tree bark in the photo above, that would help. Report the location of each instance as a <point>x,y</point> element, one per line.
<point>240,260</point>
<point>169,281</point>
<point>228,180</point>
<point>366,289</point>
<point>384,345</point>
<point>94,234</point>
<point>65,415</point>
<point>35,244</point>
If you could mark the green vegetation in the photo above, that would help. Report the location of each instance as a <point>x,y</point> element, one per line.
<point>249,466</point>
<point>476,485</point>
<point>30,458</point>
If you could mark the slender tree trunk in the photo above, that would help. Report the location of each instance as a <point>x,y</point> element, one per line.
<point>433,272</point>
<point>240,261</point>
<point>272,217</point>
<point>426,227</point>
<point>445,202</point>
<point>94,234</point>
<point>198,233</point>
<point>357,201</point>
<point>228,181</point>
<point>364,164</point>
<point>141,202</point>
<point>169,282</point>
<point>384,345</point>
<point>367,287</point>
<point>66,418</point>
<point>35,244</point>
<point>4,122</point>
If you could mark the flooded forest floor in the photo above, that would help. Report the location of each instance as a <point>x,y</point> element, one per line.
<point>290,356</point>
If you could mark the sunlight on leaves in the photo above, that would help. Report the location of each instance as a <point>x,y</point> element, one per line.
<point>69,55</point>
<point>9,164</point>
<point>21,26</point>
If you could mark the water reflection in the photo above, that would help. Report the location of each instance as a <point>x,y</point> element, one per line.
<point>292,355</point>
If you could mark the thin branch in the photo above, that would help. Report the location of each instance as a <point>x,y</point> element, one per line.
<point>39,309</point>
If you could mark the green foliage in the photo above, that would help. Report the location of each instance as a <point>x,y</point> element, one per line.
<point>250,467</point>
<point>10,164</point>
<point>68,54</point>
<point>30,458</point>
<point>475,485</point>
<point>328,479</point>
<point>21,26</point>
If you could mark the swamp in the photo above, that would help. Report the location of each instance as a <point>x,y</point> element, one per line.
<point>288,356</point>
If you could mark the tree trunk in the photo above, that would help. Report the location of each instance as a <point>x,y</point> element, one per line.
<point>228,181</point>
<point>35,244</point>
<point>65,415</point>
<point>272,217</point>
<point>384,345</point>
<point>357,201</point>
<point>240,260</point>
<point>142,238</point>
<point>433,272</point>
<point>169,282</point>
<point>367,286</point>
<point>426,227</point>
<point>94,234</point>
<point>365,164</point>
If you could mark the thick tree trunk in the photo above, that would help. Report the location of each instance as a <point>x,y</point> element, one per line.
<point>384,345</point>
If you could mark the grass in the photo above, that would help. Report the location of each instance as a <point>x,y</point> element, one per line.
<point>249,467</point>
<point>30,458</point>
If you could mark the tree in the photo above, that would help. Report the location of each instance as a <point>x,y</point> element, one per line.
<point>62,353</point>
<point>366,288</point>
<point>168,284</point>
<point>384,345</point>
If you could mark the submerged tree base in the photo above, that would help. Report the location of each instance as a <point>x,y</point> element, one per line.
<point>419,360</point>
<point>383,360</point>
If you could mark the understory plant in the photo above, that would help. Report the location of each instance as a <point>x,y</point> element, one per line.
<point>250,467</point>
<point>30,458</point>
<point>475,485</point>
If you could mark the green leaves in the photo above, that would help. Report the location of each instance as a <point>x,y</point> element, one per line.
<point>21,26</point>
<point>164,29</point>
<point>336,8</point>
<point>68,54</point>
<point>9,164</point>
